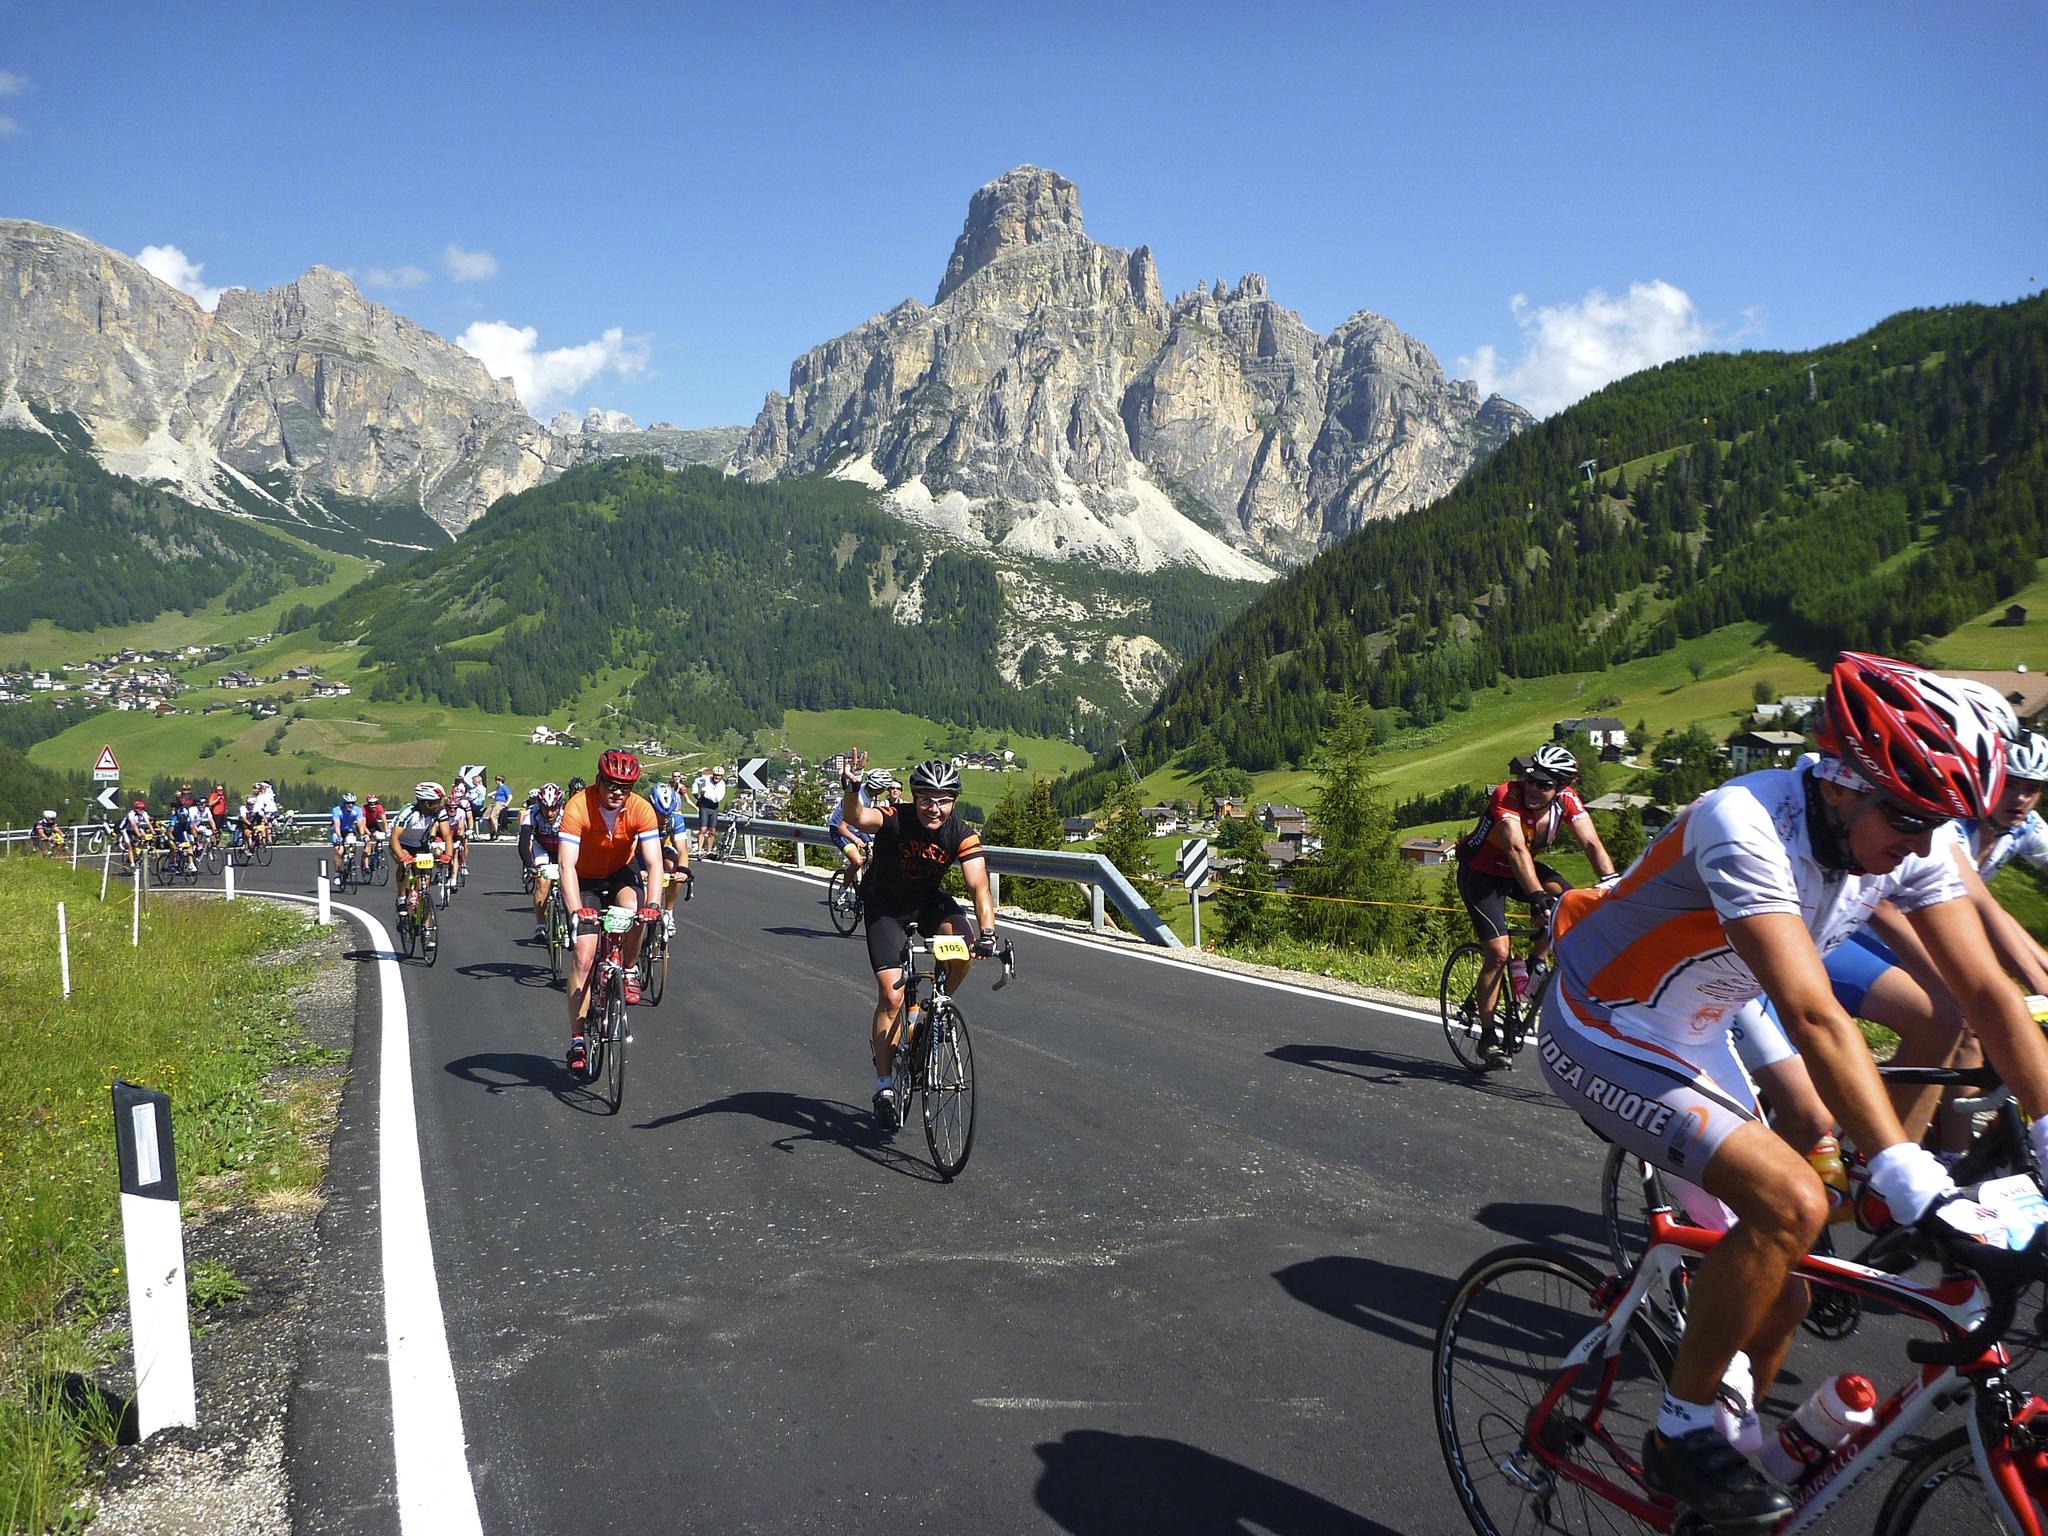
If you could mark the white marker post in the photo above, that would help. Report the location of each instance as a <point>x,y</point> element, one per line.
<point>228,874</point>
<point>153,1236</point>
<point>106,869</point>
<point>63,950</point>
<point>135,920</point>
<point>326,915</point>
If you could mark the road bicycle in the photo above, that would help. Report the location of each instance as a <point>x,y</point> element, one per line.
<point>442,883</point>
<point>418,930</point>
<point>348,864</point>
<point>555,922</point>
<point>1514,1017</point>
<point>606,1030</point>
<point>842,898</point>
<point>935,1057</point>
<point>98,838</point>
<point>1547,1374</point>
<point>654,951</point>
<point>380,863</point>
<point>169,862</point>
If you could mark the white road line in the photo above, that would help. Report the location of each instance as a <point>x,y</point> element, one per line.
<point>1165,957</point>
<point>436,1496</point>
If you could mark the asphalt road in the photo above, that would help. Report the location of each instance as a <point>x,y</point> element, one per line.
<point>1187,1283</point>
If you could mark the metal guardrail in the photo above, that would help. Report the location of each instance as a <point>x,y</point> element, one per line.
<point>1103,879</point>
<point>299,820</point>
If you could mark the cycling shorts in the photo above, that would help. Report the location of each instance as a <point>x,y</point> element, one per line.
<point>1854,966</point>
<point>603,890</point>
<point>842,835</point>
<point>707,816</point>
<point>887,930</point>
<point>1672,1109</point>
<point>1486,896</point>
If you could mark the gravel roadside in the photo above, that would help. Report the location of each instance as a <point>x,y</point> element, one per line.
<point>227,1476</point>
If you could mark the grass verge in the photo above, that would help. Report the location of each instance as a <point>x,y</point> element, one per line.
<point>198,1011</point>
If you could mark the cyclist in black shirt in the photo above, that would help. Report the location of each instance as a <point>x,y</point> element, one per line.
<point>913,847</point>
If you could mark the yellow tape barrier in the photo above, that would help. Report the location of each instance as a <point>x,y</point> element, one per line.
<point>1349,901</point>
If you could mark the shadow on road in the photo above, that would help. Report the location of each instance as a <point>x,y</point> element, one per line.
<point>1399,1303</point>
<point>1100,1484</point>
<point>371,954</point>
<point>1545,1224</point>
<point>500,1071</point>
<point>826,1120</point>
<point>518,971</point>
<point>790,931</point>
<point>1394,1067</point>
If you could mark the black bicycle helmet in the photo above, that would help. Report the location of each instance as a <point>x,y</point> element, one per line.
<point>577,786</point>
<point>935,774</point>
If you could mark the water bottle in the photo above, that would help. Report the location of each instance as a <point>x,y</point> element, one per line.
<point>1835,1411</point>
<point>1518,974</point>
<point>1826,1158</point>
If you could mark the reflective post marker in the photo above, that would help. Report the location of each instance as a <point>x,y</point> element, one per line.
<point>325,917</point>
<point>153,1240</point>
<point>228,874</point>
<point>63,950</point>
<point>106,869</point>
<point>135,920</point>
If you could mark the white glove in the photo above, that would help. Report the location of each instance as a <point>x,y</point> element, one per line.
<point>1608,882</point>
<point>1909,1179</point>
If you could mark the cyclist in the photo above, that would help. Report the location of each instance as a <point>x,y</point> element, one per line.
<point>376,825</point>
<point>605,830</point>
<point>459,823</point>
<point>345,821</point>
<point>1741,896</point>
<point>911,851</point>
<point>671,808</point>
<point>421,828</point>
<point>2014,828</point>
<point>877,788</point>
<point>265,800</point>
<point>540,844</point>
<point>181,827</point>
<point>1497,859</point>
<point>204,829</point>
<point>250,819</point>
<point>44,836</point>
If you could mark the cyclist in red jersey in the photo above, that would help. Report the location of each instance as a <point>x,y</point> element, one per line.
<point>1497,859</point>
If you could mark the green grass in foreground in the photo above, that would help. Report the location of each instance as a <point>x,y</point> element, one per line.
<point>194,1012</point>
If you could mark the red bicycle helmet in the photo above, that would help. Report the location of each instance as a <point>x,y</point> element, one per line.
<point>618,765</point>
<point>1912,735</point>
<point>549,796</point>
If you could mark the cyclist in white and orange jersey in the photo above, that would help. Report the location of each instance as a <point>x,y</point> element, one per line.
<point>1740,897</point>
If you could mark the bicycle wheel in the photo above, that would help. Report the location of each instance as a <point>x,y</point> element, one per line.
<point>1458,995</point>
<point>558,938</point>
<point>1514,1316</point>
<point>615,1037</point>
<point>262,851</point>
<point>1942,1491</point>
<point>842,900</point>
<point>654,966</point>
<point>213,858</point>
<point>1625,1201</point>
<point>948,1088</point>
<point>380,869</point>
<point>408,932</point>
<point>440,889</point>
<point>430,937</point>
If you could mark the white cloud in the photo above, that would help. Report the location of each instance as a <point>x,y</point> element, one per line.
<point>545,379</point>
<point>469,266</point>
<point>396,277</point>
<point>180,271</point>
<point>12,84</point>
<point>8,126</point>
<point>1570,350</point>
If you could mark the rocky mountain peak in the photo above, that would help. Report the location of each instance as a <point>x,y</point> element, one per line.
<point>1019,208</point>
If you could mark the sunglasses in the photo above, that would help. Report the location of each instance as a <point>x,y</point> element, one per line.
<point>611,786</point>
<point>936,800</point>
<point>1903,821</point>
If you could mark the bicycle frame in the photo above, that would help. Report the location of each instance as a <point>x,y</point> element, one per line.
<point>1955,1305</point>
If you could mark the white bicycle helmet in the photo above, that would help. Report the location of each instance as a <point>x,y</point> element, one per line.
<point>879,781</point>
<point>427,792</point>
<point>1991,705</point>
<point>935,775</point>
<point>1554,762</point>
<point>2028,758</point>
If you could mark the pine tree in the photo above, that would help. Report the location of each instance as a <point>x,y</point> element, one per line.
<point>1245,912</point>
<point>1361,857</point>
<point>1120,837</point>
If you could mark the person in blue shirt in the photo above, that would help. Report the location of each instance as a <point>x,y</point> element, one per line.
<point>672,810</point>
<point>345,821</point>
<point>501,800</point>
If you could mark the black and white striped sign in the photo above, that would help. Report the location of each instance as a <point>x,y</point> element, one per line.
<point>1194,862</point>
<point>154,1241</point>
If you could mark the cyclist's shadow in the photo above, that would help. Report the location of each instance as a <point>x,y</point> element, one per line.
<point>809,1119</point>
<point>1388,1299</point>
<point>503,1071</point>
<point>1101,1484</point>
<point>1392,1068</point>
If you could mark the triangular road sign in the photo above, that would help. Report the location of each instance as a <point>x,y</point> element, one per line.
<point>106,763</point>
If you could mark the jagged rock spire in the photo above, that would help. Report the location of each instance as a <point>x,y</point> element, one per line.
<point>1020,207</point>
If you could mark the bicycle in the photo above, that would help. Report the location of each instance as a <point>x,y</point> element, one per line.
<point>379,865</point>
<point>606,1032</point>
<point>97,839</point>
<point>935,1057</point>
<point>441,885</point>
<point>654,952</point>
<point>417,928</point>
<point>1514,1017</point>
<point>1546,1374</point>
<point>842,898</point>
<point>555,921</point>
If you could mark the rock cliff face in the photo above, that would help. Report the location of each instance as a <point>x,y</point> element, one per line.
<point>1050,402</point>
<point>292,395</point>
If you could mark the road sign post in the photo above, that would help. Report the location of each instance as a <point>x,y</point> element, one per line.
<point>1194,874</point>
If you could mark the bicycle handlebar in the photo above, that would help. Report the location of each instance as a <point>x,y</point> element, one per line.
<point>2004,1273</point>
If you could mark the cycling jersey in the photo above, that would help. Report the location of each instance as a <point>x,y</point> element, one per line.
<point>835,823</point>
<point>1539,827</point>
<point>373,819</point>
<point>415,828</point>
<point>346,819</point>
<point>604,843</point>
<point>134,825</point>
<point>907,862</point>
<point>546,832</point>
<point>2026,839</point>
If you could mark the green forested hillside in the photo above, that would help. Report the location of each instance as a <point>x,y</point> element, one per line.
<point>739,601</point>
<point>84,548</point>
<point>1906,494</point>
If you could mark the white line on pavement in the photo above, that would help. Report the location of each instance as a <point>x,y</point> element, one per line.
<point>436,1496</point>
<point>1165,957</point>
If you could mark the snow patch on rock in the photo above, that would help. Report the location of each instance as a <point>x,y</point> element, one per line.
<point>861,471</point>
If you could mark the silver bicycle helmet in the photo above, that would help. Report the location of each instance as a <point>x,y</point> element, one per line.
<point>1992,707</point>
<point>878,781</point>
<point>2028,758</point>
<point>935,774</point>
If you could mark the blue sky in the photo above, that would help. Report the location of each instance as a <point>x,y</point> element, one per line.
<point>678,200</point>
